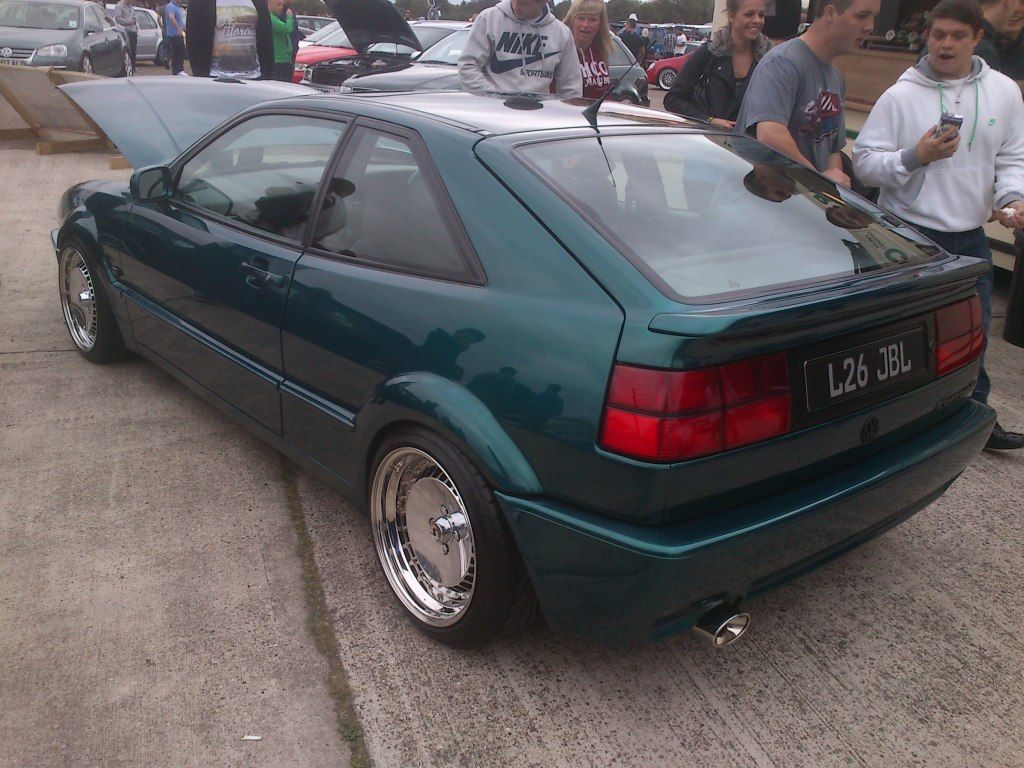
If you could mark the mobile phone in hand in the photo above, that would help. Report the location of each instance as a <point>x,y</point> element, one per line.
<point>949,124</point>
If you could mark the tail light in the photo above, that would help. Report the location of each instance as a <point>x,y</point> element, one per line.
<point>959,335</point>
<point>667,415</point>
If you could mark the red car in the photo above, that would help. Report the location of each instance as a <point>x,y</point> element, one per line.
<point>334,46</point>
<point>663,72</point>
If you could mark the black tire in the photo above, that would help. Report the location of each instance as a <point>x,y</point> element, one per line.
<point>666,77</point>
<point>85,65</point>
<point>160,58</point>
<point>127,70</point>
<point>89,319</point>
<point>502,600</point>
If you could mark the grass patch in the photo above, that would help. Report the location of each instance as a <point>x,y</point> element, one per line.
<point>318,621</point>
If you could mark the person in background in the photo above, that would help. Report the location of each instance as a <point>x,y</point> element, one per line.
<point>588,20</point>
<point>124,14</point>
<point>645,53</point>
<point>174,33</point>
<point>1001,19</point>
<point>714,79</point>
<point>949,180</point>
<point>296,35</point>
<point>631,38</point>
<point>282,23</point>
<point>796,98</point>
<point>681,40</point>
<point>1011,45</point>
<point>518,46</point>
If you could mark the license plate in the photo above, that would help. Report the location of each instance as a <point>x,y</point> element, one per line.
<point>867,368</point>
<point>15,62</point>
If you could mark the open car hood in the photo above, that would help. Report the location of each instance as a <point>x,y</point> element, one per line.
<point>372,21</point>
<point>151,120</point>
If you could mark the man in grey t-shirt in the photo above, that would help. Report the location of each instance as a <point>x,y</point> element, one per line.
<point>795,99</point>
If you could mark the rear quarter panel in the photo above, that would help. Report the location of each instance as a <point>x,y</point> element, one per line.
<point>534,345</point>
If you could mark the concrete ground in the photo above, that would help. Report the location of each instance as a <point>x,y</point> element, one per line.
<point>152,604</point>
<point>153,608</point>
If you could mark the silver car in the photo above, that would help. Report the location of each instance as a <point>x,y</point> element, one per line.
<point>150,45</point>
<point>62,33</point>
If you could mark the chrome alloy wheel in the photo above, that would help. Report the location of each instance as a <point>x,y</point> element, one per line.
<point>126,62</point>
<point>78,298</point>
<point>423,536</point>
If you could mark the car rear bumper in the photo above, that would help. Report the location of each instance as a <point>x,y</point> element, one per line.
<point>614,581</point>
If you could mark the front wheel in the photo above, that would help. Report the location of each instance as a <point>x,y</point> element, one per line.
<point>160,59</point>
<point>86,64</point>
<point>443,544</point>
<point>87,313</point>
<point>666,77</point>
<point>127,70</point>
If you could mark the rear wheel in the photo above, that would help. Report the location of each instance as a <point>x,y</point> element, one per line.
<point>87,313</point>
<point>443,544</point>
<point>86,64</point>
<point>666,77</point>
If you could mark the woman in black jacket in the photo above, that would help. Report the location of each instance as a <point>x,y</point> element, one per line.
<point>713,80</point>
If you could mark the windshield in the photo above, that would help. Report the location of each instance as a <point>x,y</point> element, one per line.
<point>336,39</point>
<point>325,30</point>
<point>448,50</point>
<point>426,35</point>
<point>712,215</point>
<point>36,15</point>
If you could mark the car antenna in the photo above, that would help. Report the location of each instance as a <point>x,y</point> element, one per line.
<point>591,114</point>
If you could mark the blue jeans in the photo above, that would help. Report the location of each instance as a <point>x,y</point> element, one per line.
<point>972,243</point>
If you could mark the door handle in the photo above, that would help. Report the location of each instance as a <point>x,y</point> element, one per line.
<point>259,277</point>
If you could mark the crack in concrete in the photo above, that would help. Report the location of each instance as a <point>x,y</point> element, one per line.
<point>318,621</point>
<point>33,351</point>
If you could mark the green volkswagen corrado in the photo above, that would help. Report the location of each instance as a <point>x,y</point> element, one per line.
<point>613,366</point>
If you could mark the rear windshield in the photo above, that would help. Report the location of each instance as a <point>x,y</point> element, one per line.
<point>711,216</point>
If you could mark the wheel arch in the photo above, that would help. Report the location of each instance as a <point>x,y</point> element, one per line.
<point>441,405</point>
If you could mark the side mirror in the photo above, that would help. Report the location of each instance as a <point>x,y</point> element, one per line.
<point>91,28</point>
<point>151,185</point>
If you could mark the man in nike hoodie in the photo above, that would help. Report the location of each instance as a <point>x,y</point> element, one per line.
<point>950,183</point>
<point>518,46</point>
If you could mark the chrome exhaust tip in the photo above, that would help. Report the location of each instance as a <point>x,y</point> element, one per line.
<point>722,625</point>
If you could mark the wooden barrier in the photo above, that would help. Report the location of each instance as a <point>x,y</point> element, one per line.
<point>31,107</point>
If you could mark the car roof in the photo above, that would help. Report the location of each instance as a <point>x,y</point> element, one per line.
<point>493,115</point>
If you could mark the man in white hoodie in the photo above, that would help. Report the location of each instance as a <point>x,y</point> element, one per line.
<point>518,46</point>
<point>948,183</point>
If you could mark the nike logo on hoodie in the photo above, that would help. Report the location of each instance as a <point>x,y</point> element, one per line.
<point>499,66</point>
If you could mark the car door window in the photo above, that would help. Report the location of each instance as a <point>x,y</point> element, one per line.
<point>379,208</point>
<point>263,173</point>
<point>93,19</point>
<point>145,20</point>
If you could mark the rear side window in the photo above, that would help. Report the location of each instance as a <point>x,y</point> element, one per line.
<point>705,216</point>
<point>379,209</point>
